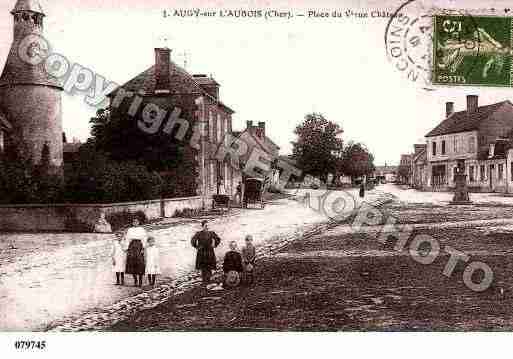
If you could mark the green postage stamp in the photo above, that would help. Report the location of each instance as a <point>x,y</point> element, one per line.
<point>472,50</point>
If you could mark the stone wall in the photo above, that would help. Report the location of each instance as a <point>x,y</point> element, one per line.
<point>60,217</point>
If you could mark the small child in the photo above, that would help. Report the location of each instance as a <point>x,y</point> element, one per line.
<point>152,261</point>
<point>249,258</point>
<point>118,255</point>
<point>232,261</point>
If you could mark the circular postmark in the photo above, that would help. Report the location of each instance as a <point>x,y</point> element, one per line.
<point>408,40</point>
<point>415,50</point>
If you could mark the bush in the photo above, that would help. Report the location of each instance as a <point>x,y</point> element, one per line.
<point>124,219</point>
<point>95,179</point>
<point>187,213</point>
<point>21,182</point>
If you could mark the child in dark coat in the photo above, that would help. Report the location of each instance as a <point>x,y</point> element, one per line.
<point>233,260</point>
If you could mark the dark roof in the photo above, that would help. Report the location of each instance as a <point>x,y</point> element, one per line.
<point>28,5</point>
<point>260,143</point>
<point>204,80</point>
<point>181,83</point>
<point>19,72</point>
<point>463,121</point>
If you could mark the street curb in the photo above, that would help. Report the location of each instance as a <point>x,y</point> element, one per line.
<point>101,319</point>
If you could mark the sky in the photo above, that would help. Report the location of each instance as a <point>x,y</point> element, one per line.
<point>274,70</point>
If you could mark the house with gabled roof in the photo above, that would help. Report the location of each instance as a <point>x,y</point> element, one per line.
<point>255,136</point>
<point>169,86</point>
<point>475,139</point>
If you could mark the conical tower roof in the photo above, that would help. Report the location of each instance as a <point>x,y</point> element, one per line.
<point>28,5</point>
<point>19,72</point>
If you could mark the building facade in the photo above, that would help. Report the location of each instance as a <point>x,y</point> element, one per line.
<point>168,86</point>
<point>256,138</point>
<point>476,139</point>
<point>385,174</point>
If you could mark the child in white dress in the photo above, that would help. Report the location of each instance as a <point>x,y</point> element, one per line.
<point>118,255</point>
<point>152,261</point>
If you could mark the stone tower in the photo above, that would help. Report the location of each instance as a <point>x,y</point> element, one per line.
<point>30,98</point>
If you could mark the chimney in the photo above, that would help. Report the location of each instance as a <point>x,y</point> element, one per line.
<point>162,70</point>
<point>249,125</point>
<point>472,103</point>
<point>449,109</point>
<point>261,129</point>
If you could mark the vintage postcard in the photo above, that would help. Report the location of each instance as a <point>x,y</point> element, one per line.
<point>257,166</point>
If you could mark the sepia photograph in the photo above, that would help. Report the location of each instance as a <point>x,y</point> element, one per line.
<point>233,171</point>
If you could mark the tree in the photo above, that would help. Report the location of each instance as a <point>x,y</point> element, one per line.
<point>317,147</point>
<point>357,161</point>
<point>404,172</point>
<point>120,139</point>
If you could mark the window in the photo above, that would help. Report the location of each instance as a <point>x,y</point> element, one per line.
<point>227,178</point>
<point>471,173</point>
<point>482,172</point>
<point>212,176</point>
<point>472,144</point>
<point>210,126</point>
<point>434,148</point>
<point>455,144</point>
<point>454,172</point>
<point>443,147</point>
<point>511,169</point>
<point>500,169</point>
<point>219,128</point>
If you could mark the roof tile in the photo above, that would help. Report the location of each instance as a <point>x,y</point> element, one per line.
<point>463,121</point>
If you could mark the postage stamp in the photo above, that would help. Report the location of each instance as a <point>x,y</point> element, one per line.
<point>472,50</point>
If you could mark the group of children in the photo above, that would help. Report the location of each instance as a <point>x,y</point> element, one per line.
<point>242,263</point>
<point>140,257</point>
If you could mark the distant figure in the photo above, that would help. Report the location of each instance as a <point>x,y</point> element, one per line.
<point>118,255</point>
<point>249,259</point>
<point>135,264</point>
<point>221,189</point>
<point>362,190</point>
<point>232,266</point>
<point>205,241</point>
<point>102,226</point>
<point>238,193</point>
<point>152,261</point>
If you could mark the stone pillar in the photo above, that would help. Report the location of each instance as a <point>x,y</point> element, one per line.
<point>461,191</point>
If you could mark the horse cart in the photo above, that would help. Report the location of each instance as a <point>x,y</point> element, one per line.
<point>254,192</point>
<point>221,201</point>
